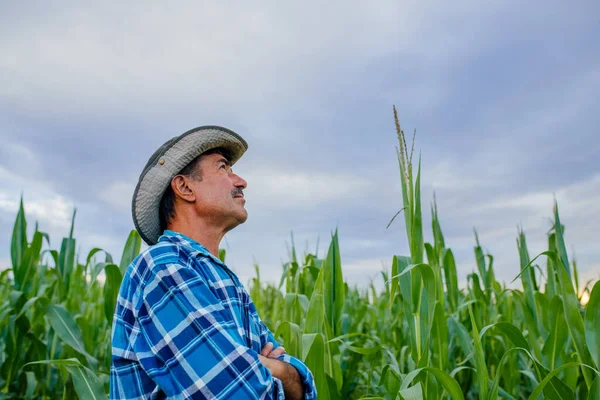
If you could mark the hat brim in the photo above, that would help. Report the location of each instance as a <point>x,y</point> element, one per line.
<point>166,162</point>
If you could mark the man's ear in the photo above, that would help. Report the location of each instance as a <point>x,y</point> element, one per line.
<point>182,188</point>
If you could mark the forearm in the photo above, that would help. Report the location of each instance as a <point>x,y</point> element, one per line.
<point>292,385</point>
<point>287,374</point>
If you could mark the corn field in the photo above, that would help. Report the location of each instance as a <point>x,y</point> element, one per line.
<point>420,337</point>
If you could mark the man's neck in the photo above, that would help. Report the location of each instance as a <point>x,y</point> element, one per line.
<point>205,234</point>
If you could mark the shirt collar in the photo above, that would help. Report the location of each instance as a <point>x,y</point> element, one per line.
<point>190,244</point>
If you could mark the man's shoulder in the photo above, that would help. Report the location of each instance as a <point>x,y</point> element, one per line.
<point>156,261</point>
<point>155,257</point>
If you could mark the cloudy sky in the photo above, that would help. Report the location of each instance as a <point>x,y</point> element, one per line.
<point>503,95</point>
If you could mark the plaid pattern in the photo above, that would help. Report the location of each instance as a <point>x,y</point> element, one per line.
<point>185,328</point>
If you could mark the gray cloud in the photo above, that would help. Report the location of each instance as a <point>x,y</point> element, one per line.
<point>503,97</point>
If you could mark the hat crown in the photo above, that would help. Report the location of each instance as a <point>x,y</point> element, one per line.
<point>159,153</point>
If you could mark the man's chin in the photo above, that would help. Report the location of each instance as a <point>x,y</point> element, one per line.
<point>241,217</point>
<point>237,222</point>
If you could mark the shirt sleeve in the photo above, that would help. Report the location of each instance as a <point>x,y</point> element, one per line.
<point>308,382</point>
<point>189,344</point>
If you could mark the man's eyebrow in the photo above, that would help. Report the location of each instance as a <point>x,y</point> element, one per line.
<point>224,160</point>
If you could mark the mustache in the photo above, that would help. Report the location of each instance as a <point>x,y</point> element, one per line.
<point>236,191</point>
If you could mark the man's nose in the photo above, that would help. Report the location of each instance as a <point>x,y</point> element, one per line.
<point>239,181</point>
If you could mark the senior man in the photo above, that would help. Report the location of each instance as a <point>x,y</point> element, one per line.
<point>184,325</point>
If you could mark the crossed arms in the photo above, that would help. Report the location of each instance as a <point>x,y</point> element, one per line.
<point>192,346</point>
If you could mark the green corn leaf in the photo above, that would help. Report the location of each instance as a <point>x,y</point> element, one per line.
<point>63,362</point>
<point>459,331</point>
<point>554,344</point>
<point>316,309</point>
<point>28,268</point>
<point>511,331</point>
<point>528,276</point>
<point>423,304</point>
<point>592,323</point>
<point>97,269</point>
<point>551,278</point>
<point>55,257</point>
<point>594,393</point>
<point>292,339</point>
<point>314,361</point>
<point>66,262</point>
<point>530,375</point>
<point>560,241</point>
<point>293,307</point>
<point>31,384</point>
<point>491,277</point>
<point>449,383</point>
<point>574,321</point>
<point>539,388</point>
<point>412,393</point>
<point>29,304</point>
<point>366,350</point>
<point>542,304</point>
<point>439,338</point>
<point>92,253</point>
<point>480,365</point>
<point>575,276</point>
<point>111,290</point>
<point>132,249</point>
<point>451,279</point>
<point>86,383</point>
<point>18,244</point>
<point>529,321</point>
<point>493,394</point>
<point>67,330</point>
<point>437,270</point>
<point>394,281</point>
<point>405,282</point>
<point>480,261</point>
<point>477,293</point>
<point>416,243</point>
<point>334,285</point>
<point>390,378</point>
<point>438,236</point>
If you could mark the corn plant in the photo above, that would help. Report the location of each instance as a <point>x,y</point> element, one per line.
<point>55,320</point>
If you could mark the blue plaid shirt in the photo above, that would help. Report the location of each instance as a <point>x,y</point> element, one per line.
<point>185,327</point>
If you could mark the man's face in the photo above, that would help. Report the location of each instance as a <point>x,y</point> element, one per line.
<point>219,196</point>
